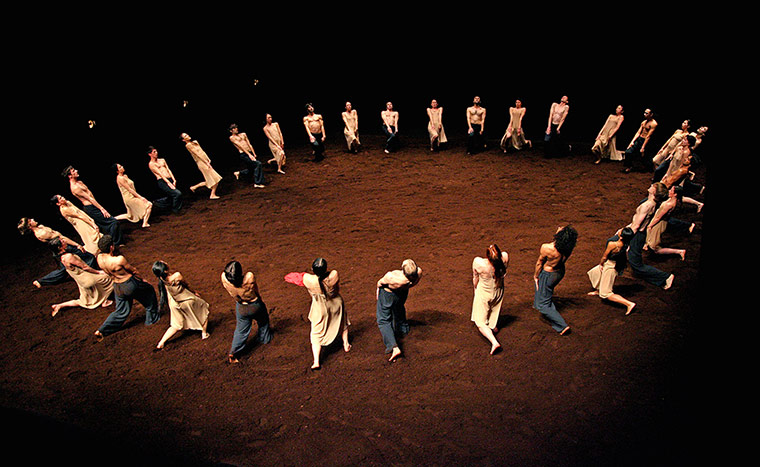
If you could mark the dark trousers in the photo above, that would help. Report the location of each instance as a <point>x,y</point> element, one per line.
<point>475,141</point>
<point>252,167</point>
<point>124,294</point>
<point>60,274</point>
<point>542,299</point>
<point>391,138</point>
<point>107,225</point>
<point>172,200</point>
<point>318,146</point>
<point>635,159</point>
<point>635,259</point>
<point>391,316</point>
<point>245,314</point>
<point>555,145</point>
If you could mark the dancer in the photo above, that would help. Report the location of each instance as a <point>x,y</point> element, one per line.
<point>612,264</point>
<point>488,280</point>
<point>554,141</point>
<point>656,193</point>
<point>670,145</point>
<point>187,310</point>
<point>351,128</point>
<point>476,122</point>
<point>127,287</point>
<point>138,208</point>
<point>315,128</point>
<point>514,136</point>
<point>659,223</point>
<point>211,178</point>
<point>435,126</point>
<point>276,142</point>
<point>635,154</point>
<point>104,221</point>
<point>84,225</point>
<point>675,160</point>
<point>247,156</point>
<point>605,145</point>
<point>166,182</point>
<point>391,294</point>
<point>248,307</point>
<point>95,287</point>
<point>550,269</point>
<point>45,235</point>
<point>326,315</point>
<point>390,127</point>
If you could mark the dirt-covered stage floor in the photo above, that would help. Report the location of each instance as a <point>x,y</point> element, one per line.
<point>615,391</point>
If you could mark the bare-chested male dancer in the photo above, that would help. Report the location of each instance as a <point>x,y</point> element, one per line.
<point>656,193</point>
<point>635,154</point>
<point>550,269</point>
<point>248,156</point>
<point>105,222</point>
<point>390,127</point>
<point>392,291</point>
<point>127,286</point>
<point>166,182</point>
<point>476,121</point>
<point>315,128</point>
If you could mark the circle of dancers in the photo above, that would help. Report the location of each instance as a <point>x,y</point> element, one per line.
<point>104,277</point>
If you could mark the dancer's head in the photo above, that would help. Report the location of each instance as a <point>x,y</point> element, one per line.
<point>565,239</point>
<point>160,269</point>
<point>319,267</point>
<point>234,128</point>
<point>152,151</point>
<point>691,140</point>
<point>494,255</point>
<point>233,272</point>
<point>25,225</point>
<point>660,192</point>
<point>626,235</point>
<point>69,171</point>
<point>409,267</point>
<point>105,244</point>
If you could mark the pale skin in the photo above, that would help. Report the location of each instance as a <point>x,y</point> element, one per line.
<point>274,135</point>
<point>350,114</point>
<point>314,124</point>
<point>82,193</point>
<point>644,210</point>
<point>549,259</point>
<point>618,113</point>
<point>311,282</point>
<point>43,234</point>
<point>666,207</point>
<point>390,118</point>
<point>557,107</point>
<point>122,180</point>
<point>161,170</point>
<point>482,268</point>
<point>66,211</point>
<point>192,146</point>
<point>118,268</point>
<point>396,280</point>
<point>614,248</point>
<point>645,130</point>
<point>177,276</point>
<point>476,115</point>
<point>73,262</point>
<point>243,144</point>
<point>435,115</point>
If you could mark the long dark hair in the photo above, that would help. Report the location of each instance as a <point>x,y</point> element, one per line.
<point>319,267</point>
<point>493,253</point>
<point>565,239</point>
<point>159,270</point>
<point>233,272</point>
<point>621,259</point>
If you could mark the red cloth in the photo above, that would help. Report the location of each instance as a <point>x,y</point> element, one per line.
<point>295,278</point>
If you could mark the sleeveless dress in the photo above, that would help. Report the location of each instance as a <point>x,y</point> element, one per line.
<point>510,136</point>
<point>606,146</point>
<point>187,310</point>
<point>89,235</point>
<point>326,316</point>
<point>136,207</point>
<point>486,304</point>
<point>434,124</point>
<point>350,130</point>
<point>670,145</point>
<point>94,289</point>
<point>210,175</point>
<point>277,152</point>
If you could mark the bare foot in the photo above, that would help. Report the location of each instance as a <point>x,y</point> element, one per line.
<point>595,292</point>
<point>630,309</point>
<point>395,354</point>
<point>56,308</point>
<point>495,348</point>
<point>668,282</point>
<point>315,366</point>
<point>237,175</point>
<point>280,171</point>
<point>232,359</point>
<point>192,188</point>
<point>683,255</point>
<point>259,186</point>
<point>107,303</point>
<point>700,206</point>
<point>691,227</point>
<point>145,224</point>
<point>205,335</point>
<point>213,197</point>
<point>37,284</point>
<point>565,331</point>
<point>346,346</point>
<point>98,336</point>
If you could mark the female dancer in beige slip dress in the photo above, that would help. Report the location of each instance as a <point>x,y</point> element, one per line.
<point>187,309</point>
<point>94,286</point>
<point>671,144</point>
<point>138,208</point>
<point>276,143</point>
<point>210,176</point>
<point>351,128</point>
<point>326,315</point>
<point>435,125</point>
<point>514,135</point>
<point>488,281</point>
<point>605,145</point>
<point>82,223</point>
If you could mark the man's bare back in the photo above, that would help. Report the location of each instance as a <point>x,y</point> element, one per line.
<point>116,267</point>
